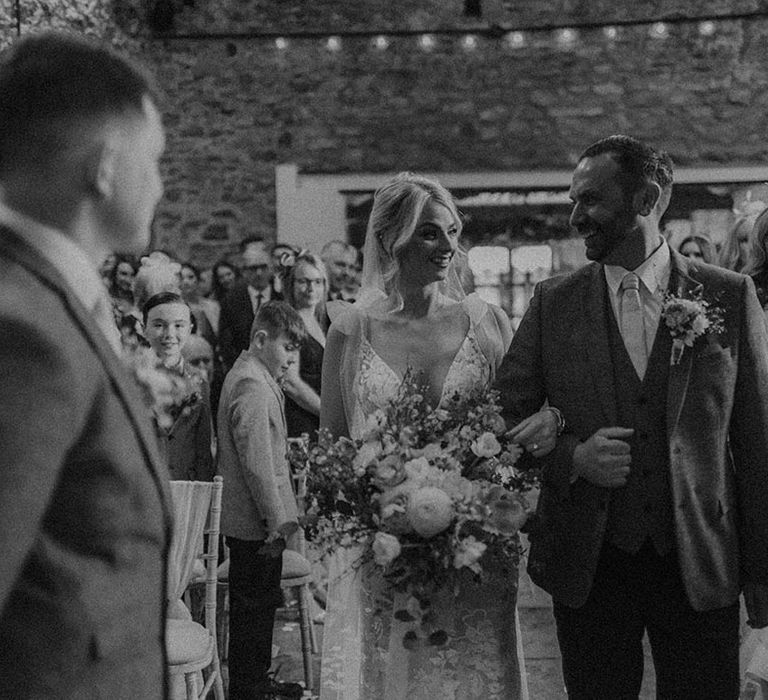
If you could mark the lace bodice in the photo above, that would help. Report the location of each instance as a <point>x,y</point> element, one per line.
<point>376,382</point>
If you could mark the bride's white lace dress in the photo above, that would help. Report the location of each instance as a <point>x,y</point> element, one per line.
<point>363,655</point>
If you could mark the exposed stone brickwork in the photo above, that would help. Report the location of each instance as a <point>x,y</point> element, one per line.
<point>237,107</point>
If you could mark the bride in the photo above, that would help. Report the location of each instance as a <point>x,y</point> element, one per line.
<point>412,313</point>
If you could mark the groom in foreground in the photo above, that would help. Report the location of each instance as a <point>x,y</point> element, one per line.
<point>653,514</point>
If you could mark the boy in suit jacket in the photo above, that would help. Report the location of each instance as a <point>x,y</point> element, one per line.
<point>84,518</point>
<point>258,503</point>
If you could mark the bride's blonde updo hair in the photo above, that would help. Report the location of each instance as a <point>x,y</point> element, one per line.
<point>397,206</point>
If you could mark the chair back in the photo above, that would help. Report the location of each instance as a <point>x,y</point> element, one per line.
<point>196,512</point>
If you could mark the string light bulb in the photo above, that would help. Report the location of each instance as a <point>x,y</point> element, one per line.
<point>469,42</point>
<point>380,42</point>
<point>706,28</point>
<point>515,40</point>
<point>333,44</point>
<point>611,33</point>
<point>566,37</point>
<point>281,43</point>
<point>426,42</point>
<point>659,30</point>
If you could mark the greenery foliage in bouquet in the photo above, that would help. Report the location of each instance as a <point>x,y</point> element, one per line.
<point>427,492</point>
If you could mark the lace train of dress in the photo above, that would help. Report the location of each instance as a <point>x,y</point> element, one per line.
<point>363,653</point>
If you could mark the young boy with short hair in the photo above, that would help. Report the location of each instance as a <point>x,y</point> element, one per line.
<point>258,504</point>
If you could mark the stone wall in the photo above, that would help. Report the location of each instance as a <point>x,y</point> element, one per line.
<point>235,107</point>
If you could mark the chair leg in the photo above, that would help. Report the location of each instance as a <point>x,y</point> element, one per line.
<point>305,624</point>
<point>191,682</point>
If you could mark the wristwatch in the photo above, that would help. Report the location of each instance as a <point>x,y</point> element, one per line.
<point>560,419</point>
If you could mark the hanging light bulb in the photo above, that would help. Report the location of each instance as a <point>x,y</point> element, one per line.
<point>281,43</point>
<point>380,42</point>
<point>659,30</point>
<point>611,33</point>
<point>706,28</point>
<point>469,42</point>
<point>426,42</point>
<point>566,38</point>
<point>515,40</point>
<point>333,44</point>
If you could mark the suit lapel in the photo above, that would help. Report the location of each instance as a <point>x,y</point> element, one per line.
<point>17,250</point>
<point>595,343</point>
<point>681,284</point>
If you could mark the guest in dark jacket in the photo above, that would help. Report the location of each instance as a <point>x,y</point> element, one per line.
<point>757,266</point>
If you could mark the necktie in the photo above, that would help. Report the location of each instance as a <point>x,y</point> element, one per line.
<point>632,322</point>
<point>259,299</point>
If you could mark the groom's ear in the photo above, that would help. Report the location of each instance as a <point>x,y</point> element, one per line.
<point>646,198</point>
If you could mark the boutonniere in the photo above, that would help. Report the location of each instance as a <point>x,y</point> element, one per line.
<point>688,318</point>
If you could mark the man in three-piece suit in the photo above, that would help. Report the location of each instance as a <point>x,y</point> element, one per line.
<point>652,515</point>
<point>84,519</point>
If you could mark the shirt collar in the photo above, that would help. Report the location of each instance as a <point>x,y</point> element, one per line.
<point>653,272</point>
<point>61,252</point>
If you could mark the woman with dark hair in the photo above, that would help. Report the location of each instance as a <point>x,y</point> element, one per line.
<point>225,274</point>
<point>121,283</point>
<point>305,286</point>
<point>205,311</point>
<point>698,248</point>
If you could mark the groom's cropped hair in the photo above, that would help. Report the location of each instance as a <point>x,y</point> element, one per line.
<point>638,162</point>
<point>54,87</point>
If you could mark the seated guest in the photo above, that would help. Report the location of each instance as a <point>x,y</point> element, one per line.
<point>340,260</point>
<point>243,301</point>
<point>258,509</point>
<point>305,285</point>
<point>187,442</point>
<point>698,248</point>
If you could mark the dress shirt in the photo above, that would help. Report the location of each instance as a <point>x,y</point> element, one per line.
<point>654,274</point>
<point>266,295</point>
<point>72,263</point>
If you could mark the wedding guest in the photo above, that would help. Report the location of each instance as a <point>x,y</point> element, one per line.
<point>646,522</point>
<point>280,252</point>
<point>244,300</point>
<point>224,277</point>
<point>758,258</point>
<point>84,511</point>
<point>258,505</point>
<point>121,283</point>
<point>306,285</point>
<point>697,248</point>
<point>340,260</point>
<point>186,443</point>
<point>205,282</point>
<point>200,358</point>
<point>106,268</point>
<point>206,312</point>
<point>735,251</point>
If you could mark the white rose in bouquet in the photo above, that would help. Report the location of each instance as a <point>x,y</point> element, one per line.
<point>386,548</point>
<point>430,511</point>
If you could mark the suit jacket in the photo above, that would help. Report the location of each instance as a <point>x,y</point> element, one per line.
<point>717,427</point>
<point>258,496</point>
<point>186,445</point>
<point>84,517</point>
<point>236,320</point>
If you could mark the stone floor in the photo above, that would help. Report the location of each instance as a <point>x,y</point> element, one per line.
<point>542,657</point>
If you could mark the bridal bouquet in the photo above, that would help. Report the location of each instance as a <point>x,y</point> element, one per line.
<point>427,493</point>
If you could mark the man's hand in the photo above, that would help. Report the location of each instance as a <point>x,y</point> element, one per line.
<point>756,602</point>
<point>604,458</point>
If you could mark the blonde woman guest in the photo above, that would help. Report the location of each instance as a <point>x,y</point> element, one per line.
<point>735,251</point>
<point>305,286</point>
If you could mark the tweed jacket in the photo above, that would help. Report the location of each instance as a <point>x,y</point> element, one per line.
<point>717,430</point>
<point>258,496</point>
<point>84,516</point>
